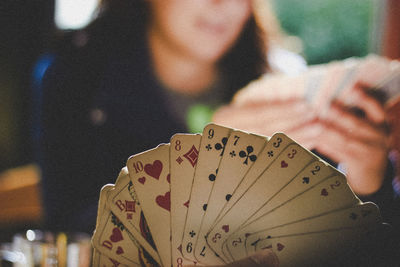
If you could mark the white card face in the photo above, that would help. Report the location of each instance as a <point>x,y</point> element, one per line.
<point>149,173</point>
<point>184,153</point>
<point>316,249</point>
<point>111,237</point>
<point>272,149</point>
<point>314,79</point>
<point>313,173</point>
<point>370,70</point>
<point>328,85</point>
<point>212,148</point>
<point>241,153</point>
<point>330,194</point>
<point>285,167</point>
<point>103,198</point>
<point>364,215</point>
<point>124,204</point>
<point>225,252</point>
<point>104,261</point>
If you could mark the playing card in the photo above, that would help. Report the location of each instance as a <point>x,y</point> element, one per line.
<point>314,78</point>
<point>149,173</point>
<point>212,148</point>
<point>331,81</point>
<point>364,215</point>
<point>378,73</point>
<point>184,153</point>
<point>285,166</point>
<point>387,91</point>
<point>217,197</point>
<point>312,174</point>
<point>111,237</point>
<point>272,149</point>
<point>99,259</point>
<point>272,87</point>
<point>103,202</point>
<point>242,150</point>
<point>330,194</point>
<point>346,76</point>
<point>124,204</point>
<point>316,248</point>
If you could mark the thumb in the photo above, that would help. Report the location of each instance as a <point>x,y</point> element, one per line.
<point>263,258</point>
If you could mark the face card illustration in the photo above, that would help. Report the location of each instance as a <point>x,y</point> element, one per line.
<point>212,148</point>
<point>124,204</point>
<point>102,206</point>
<point>242,150</point>
<point>313,173</point>
<point>149,173</point>
<point>286,166</point>
<point>184,153</point>
<point>364,215</point>
<point>330,194</point>
<point>111,237</point>
<point>104,261</point>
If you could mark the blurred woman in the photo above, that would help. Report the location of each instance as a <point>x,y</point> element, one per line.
<point>145,70</point>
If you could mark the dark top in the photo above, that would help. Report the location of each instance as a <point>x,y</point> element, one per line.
<point>100,105</point>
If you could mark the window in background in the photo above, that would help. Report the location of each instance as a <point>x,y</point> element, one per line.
<point>329,29</point>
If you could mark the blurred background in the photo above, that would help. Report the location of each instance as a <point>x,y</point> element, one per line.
<point>30,31</point>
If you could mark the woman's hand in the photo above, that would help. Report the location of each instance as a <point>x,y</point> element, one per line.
<point>356,135</point>
<point>294,117</point>
<point>351,130</point>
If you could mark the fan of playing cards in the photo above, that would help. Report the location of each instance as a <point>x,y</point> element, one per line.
<point>216,197</point>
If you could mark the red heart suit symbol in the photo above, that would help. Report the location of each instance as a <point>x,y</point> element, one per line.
<point>120,250</point>
<point>280,246</point>
<point>164,201</point>
<point>186,204</point>
<point>154,170</point>
<point>225,228</point>
<point>324,192</point>
<point>284,164</point>
<point>116,235</point>
<point>169,178</point>
<point>142,180</point>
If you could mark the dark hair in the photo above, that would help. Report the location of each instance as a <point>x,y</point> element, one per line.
<point>245,61</point>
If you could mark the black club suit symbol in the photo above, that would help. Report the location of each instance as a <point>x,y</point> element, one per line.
<point>246,154</point>
<point>221,146</point>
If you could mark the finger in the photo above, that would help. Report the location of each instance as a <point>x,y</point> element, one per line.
<point>338,116</point>
<point>361,158</point>
<point>264,258</point>
<point>358,97</point>
<point>274,117</point>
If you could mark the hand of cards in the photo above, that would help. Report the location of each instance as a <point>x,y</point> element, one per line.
<point>216,197</point>
<point>322,84</point>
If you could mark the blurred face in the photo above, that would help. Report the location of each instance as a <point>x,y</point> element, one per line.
<point>201,29</point>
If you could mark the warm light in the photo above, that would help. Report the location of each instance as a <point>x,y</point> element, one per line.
<point>30,235</point>
<point>74,14</point>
